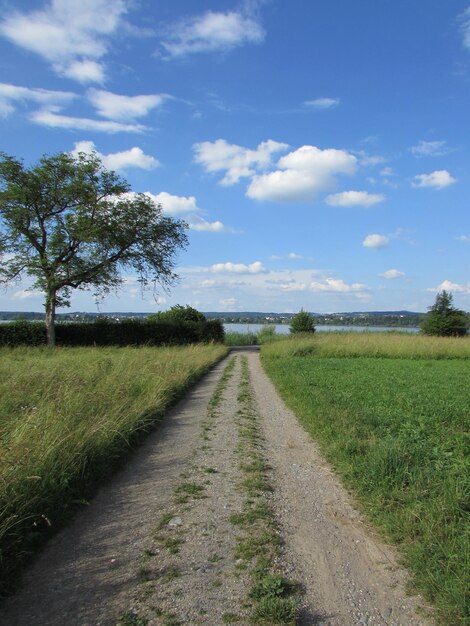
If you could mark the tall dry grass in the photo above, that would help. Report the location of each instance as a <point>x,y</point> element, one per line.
<point>394,345</point>
<point>67,417</point>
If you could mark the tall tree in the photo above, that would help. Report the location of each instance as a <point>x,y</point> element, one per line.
<point>68,223</point>
<point>444,319</point>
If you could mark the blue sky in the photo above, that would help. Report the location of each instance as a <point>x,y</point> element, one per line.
<point>319,151</point>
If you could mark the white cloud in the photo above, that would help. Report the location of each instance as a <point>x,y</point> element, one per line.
<point>228,302</point>
<point>332,285</point>
<point>236,160</point>
<point>448,285</point>
<point>366,160</point>
<point>437,180</point>
<point>26,294</point>
<point>292,286</point>
<point>322,103</point>
<point>86,71</point>
<point>67,32</point>
<point>187,207</point>
<point>376,241</point>
<point>261,288</point>
<point>52,119</point>
<point>354,198</point>
<point>123,108</point>
<point>465,238</point>
<point>294,255</point>
<point>175,205</point>
<point>208,283</point>
<point>199,224</point>
<point>13,93</point>
<point>429,148</point>
<point>466,28</point>
<point>238,268</point>
<point>302,175</point>
<point>391,274</point>
<point>387,171</point>
<point>135,157</point>
<point>212,31</point>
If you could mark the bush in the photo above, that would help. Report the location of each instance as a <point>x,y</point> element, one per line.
<point>178,313</point>
<point>22,333</point>
<point>267,334</point>
<point>443,319</point>
<point>105,332</point>
<point>303,322</point>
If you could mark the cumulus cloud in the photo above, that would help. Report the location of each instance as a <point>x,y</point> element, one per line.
<point>302,174</point>
<point>85,71</point>
<point>429,148</point>
<point>67,33</point>
<point>376,241</point>
<point>260,289</point>
<point>212,31</point>
<point>175,205</point>
<point>332,285</point>
<point>52,119</point>
<point>448,285</point>
<point>391,274</point>
<point>354,198</point>
<point>196,222</point>
<point>238,268</point>
<point>186,206</point>
<point>123,108</point>
<point>10,94</point>
<point>27,294</point>
<point>236,160</point>
<point>135,157</point>
<point>320,104</point>
<point>437,179</point>
<point>465,238</point>
<point>387,171</point>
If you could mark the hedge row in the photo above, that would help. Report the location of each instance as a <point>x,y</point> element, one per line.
<point>106,333</point>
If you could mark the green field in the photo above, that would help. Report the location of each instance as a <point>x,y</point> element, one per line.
<point>67,418</point>
<point>392,414</point>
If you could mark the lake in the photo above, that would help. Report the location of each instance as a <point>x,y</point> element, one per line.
<point>283,329</point>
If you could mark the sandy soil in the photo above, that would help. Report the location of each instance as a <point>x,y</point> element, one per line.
<point>156,542</point>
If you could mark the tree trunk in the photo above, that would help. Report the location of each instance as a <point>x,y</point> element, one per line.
<point>50,319</point>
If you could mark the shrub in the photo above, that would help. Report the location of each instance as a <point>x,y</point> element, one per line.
<point>178,313</point>
<point>267,334</point>
<point>303,322</point>
<point>22,332</point>
<point>105,332</point>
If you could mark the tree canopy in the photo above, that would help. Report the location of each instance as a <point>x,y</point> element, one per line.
<point>68,223</point>
<point>302,322</point>
<point>178,313</point>
<point>443,319</point>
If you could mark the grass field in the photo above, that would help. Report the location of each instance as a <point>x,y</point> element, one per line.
<point>392,414</point>
<point>67,418</point>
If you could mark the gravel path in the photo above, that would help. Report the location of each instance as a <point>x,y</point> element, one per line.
<point>158,543</point>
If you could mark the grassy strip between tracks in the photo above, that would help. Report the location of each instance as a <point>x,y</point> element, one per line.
<point>67,419</point>
<point>273,597</point>
<point>392,414</point>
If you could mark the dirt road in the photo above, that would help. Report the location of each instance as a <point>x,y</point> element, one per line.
<point>162,543</point>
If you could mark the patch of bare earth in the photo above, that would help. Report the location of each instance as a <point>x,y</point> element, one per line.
<point>159,546</point>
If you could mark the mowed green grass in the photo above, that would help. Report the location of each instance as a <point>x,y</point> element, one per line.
<point>392,414</point>
<point>67,418</point>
